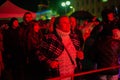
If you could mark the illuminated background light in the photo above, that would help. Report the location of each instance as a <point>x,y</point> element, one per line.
<point>67,2</point>
<point>104,0</point>
<point>63,4</point>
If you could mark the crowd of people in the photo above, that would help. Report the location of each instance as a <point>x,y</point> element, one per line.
<point>62,46</point>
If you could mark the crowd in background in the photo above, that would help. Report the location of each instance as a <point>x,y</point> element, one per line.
<point>43,49</point>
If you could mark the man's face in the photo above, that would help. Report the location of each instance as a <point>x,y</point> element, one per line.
<point>15,23</point>
<point>116,34</point>
<point>28,17</point>
<point>110,16</point>
<point>36,27</point>
<point>73,21</point>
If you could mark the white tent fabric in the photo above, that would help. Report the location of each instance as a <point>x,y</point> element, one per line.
<point>8,10</point>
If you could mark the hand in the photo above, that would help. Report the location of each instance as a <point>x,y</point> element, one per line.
<point>54,64</point>
<point>80,55</point>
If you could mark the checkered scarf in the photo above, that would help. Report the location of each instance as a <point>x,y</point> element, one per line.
<point>51,47</point>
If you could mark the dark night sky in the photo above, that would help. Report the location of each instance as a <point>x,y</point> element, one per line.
<point>32,5</point>
<point>27,4</point>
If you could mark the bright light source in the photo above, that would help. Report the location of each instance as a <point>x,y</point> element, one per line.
<point>104,0</point>
<point>63,4</point>
<point>71,7</point>
<point>67,2</point>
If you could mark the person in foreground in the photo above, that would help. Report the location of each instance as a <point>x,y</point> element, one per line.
<point>59,50</point>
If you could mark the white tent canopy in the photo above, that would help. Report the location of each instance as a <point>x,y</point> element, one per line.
<point>8,10</point>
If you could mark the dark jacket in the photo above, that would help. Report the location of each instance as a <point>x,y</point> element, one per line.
<point>106,52</point>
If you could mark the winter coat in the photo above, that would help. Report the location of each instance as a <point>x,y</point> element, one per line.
<point>106,54</point>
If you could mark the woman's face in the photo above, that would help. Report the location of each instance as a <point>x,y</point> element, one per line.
<point>64,24</point>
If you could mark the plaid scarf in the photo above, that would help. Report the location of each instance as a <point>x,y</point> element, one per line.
<point>51,47</point>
